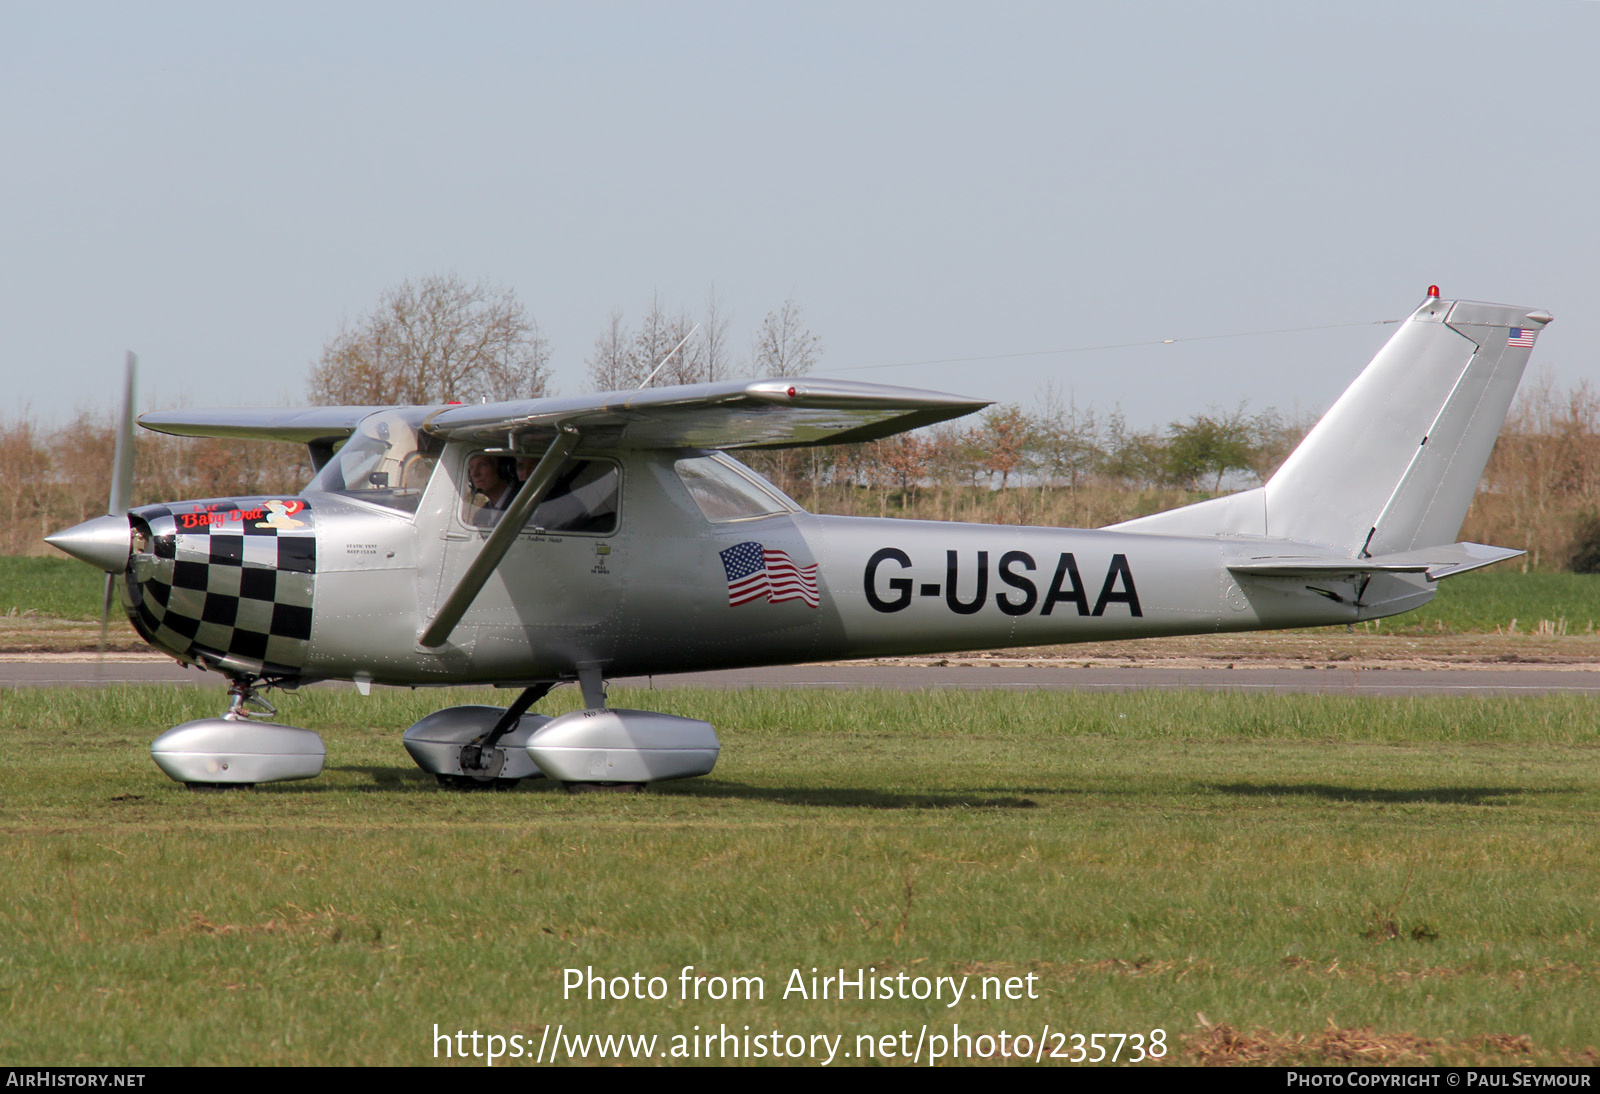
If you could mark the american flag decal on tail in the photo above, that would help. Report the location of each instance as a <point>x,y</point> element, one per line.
<point>760,573</point>
<point>1521,336</point>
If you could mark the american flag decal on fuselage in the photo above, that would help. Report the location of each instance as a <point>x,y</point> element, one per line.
<point>1521,336</point>
<point>760,573</point>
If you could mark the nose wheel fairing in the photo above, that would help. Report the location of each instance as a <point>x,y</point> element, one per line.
<point>232,751</point>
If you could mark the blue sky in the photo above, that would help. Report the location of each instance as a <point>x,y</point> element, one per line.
<point>218,187</point>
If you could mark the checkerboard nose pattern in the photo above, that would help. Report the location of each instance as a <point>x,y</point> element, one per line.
<point>226,583</point>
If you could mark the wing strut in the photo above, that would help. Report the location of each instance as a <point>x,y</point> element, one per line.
<point>499,542</point>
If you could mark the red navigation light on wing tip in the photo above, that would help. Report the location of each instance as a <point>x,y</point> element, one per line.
<point>1433,292</point>
<point>791,393</point>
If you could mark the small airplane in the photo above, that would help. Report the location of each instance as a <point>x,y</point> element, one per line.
<point>529,543</point>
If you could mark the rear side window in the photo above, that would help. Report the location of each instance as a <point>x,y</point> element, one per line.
<point>724,493</point>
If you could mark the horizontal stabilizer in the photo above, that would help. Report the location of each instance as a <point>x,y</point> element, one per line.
<point>1435,562</point>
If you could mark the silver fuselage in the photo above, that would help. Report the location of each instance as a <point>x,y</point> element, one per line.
<point>353,584</point>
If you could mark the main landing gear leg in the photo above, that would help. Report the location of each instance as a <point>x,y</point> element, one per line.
<point>479,747</point>
<point>591,679</point>
<point>481,759</point>
<point>593,683</point>
<point>597,748</point>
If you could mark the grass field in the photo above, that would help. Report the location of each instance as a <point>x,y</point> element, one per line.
<point>1278,879</point>
<point>57,588</point>
<point>1504,599</point>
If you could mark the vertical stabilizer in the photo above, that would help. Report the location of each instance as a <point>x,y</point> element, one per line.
<point>1395,462</point>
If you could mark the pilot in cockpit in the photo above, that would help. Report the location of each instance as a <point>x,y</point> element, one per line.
<point>492,493</point>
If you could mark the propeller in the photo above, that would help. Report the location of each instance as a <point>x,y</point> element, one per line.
<point>105,542</point>
<point>121,482</point>
<point>122,462</point>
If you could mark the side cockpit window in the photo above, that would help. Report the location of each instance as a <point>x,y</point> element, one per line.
<point>583,498</point>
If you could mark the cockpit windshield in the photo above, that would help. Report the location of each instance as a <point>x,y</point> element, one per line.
<point>387,461</point>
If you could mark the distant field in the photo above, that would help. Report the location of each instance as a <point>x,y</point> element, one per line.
<point>1504,598</point>
<point>1277,879</point>
<point>57,588</point>
<point>1478,602</point>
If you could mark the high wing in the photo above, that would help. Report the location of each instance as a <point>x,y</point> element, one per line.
<point>321,429</point>
<point>303,426</point>
<point>780,413</point>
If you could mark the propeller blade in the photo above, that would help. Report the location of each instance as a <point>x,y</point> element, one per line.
<point>122,463</point>
<point>121,489</point>
<point>105,621</point>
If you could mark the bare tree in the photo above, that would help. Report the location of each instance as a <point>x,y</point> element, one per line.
<point>432,340</point>
<point>25,464</point>
<point>623,359</point>
<point>784,345</point>
<point>711,349</point>
<point>658,336</point>
<point>613,365</point>
<point>1067,440</point>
